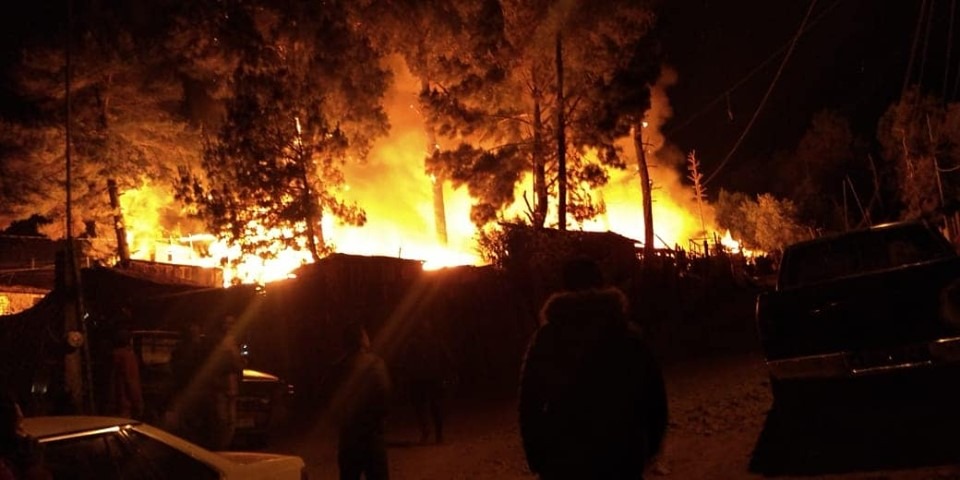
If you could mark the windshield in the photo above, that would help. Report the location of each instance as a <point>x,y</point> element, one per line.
<point>861,252</point>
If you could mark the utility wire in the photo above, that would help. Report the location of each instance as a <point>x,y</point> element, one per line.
<point>913,48</point>
<point>763,101</point>
<point>946,62</point>
<point>926,41</point>
<point>956,80</point>
<point>725,95</point>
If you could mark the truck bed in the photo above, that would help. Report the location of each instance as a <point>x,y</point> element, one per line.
<point>863,302</point>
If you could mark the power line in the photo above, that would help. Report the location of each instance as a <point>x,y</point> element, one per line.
<point>913,48</point>
<point>926,41</point>
<point>956,80</point>
<point>946,63</point>
<point>763,101</point>
<point>725,95</point>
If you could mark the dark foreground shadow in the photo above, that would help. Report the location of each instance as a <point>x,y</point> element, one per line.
<point>817,440</point>
<point>400,443</point>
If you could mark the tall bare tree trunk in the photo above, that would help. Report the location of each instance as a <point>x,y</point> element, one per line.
<point>315,239</point>
<point>313,213</point>
<point>439,206</point>
<point>645,190</point>
<point>539,165</point>
<point>314,228</point>
<point>123,250</point>
<point>561,142</point>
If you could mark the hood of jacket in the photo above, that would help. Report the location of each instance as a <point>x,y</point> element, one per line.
<point>594,308</point>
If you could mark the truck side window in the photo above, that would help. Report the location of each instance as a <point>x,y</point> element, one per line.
<point>903,253</point>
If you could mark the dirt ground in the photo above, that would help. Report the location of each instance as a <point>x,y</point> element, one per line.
<point>718,430</point>
<point>720,426</point>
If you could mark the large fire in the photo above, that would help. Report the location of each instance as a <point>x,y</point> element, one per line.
<point>398,198</point>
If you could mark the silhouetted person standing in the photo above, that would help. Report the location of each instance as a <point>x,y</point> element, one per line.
<point>126,393</point>
<point>225,366</point>
<point>427,366</point>
<point>360,389</point>
<point>592,399</point>
<point>187,361</point>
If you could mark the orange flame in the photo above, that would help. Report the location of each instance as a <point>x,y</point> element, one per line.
<point>397,195</point>
<point>734,246</point>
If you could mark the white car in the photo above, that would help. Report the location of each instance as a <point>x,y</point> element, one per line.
<point>104,448</point>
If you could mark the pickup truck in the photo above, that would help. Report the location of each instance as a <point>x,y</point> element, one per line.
<point>875,307</point>
<point>261,404</point>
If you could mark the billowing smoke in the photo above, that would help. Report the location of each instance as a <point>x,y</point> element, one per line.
<point>675,212</point>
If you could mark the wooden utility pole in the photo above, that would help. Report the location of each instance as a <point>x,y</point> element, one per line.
<point>561,141</point>
<point>76,363</point>
<point>78,378</point>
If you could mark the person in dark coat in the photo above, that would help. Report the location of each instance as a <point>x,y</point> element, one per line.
<point>186,362</point>
<point>427,366</point>
<point>126,392</point>
<point>592,398</point>
<point>221,376</point>
<point>359,387</point>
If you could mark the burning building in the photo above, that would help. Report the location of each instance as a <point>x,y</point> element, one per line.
<point>400,202</point>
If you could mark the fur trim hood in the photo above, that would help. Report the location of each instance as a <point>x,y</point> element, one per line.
<point>604,307</point>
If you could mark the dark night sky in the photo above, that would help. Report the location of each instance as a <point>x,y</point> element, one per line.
<point>852,59</point>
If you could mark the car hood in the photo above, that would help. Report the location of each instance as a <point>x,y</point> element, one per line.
<point>263,466</point>
<point>247,458</point>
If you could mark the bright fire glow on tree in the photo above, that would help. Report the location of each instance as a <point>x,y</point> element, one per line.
<point>398,197</point>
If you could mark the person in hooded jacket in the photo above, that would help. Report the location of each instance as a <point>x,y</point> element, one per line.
<point>358,391</point>
<point>428,370</point>
<point>126,392</point>
<point>592,398</point>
